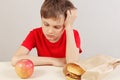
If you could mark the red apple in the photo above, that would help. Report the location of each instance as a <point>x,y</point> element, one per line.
<point>24,68</point>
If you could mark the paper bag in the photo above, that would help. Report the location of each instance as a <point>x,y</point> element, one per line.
<point>98,67</point>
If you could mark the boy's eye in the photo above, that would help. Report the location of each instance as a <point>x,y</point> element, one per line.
<point>46,24</point>
<point>57,27</point>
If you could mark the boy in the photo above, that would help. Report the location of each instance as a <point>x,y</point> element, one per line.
<point>56,42</point>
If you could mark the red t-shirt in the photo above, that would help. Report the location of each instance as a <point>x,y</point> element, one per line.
<point>36,39</point>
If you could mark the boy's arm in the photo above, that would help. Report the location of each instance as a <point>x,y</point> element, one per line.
<point>23,53</point>
<point>72,52</point>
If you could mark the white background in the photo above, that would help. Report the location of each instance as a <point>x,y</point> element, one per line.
<point>98,23</point>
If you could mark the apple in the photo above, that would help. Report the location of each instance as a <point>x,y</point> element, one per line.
<point>24,68</point>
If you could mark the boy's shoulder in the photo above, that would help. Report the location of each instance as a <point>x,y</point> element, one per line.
<point>75,31</point>
<point>37,29</point>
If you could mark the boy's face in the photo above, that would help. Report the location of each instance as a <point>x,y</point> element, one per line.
<point>53,28</point>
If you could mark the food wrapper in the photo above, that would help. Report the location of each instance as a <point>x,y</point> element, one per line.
<point>98,67</point>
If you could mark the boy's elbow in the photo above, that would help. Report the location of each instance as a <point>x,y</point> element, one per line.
<point>73,60</point>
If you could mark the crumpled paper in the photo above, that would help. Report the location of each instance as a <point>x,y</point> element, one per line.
<point>97,67</point>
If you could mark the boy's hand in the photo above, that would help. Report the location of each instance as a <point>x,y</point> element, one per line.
<point>71,16</point>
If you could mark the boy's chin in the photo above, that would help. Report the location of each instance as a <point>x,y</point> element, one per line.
<point>52,40</point>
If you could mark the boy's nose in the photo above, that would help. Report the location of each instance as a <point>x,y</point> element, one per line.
<point>50,30</point>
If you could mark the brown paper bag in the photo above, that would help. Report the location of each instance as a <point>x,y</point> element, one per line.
<point>98,67</point>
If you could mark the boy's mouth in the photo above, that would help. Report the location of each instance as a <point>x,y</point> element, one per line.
<point>50,36</point>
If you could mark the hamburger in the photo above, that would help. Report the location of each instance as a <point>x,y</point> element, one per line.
<point>73,71</point>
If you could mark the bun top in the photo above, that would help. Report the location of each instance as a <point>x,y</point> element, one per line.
<point>73,68</point>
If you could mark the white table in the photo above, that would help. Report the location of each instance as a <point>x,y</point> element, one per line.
<point>7,72</point>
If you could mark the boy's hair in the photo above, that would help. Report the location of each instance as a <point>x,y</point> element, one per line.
<point>55,8</point>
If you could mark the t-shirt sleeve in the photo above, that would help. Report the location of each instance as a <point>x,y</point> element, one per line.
<point>29,41</point>
<point>77,40</point>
